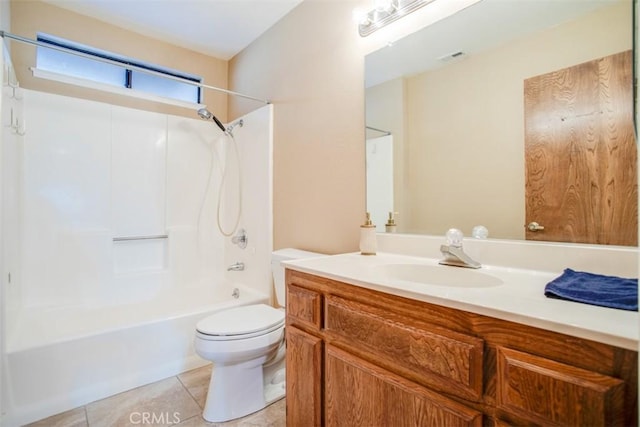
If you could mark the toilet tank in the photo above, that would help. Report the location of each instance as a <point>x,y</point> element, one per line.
<point>278,270</point>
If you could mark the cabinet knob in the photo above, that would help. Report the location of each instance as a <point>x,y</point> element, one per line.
<point>534,226</point>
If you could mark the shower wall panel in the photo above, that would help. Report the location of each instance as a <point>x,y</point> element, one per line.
<point>255,144</point>
<point>67,185</point>
<point>194,171</point>
<point>138,171</point>
<point>93,173</point>
<point>12,165</point>
<point>139,151</point>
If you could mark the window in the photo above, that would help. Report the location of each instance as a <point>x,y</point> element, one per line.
<point>128,75</point>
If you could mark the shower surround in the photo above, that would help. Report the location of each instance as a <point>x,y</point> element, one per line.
<point>113,248</point>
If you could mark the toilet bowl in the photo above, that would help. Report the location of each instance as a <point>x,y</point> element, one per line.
<point>246,346</point>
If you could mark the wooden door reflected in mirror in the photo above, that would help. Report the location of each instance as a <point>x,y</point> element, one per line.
<point>580,153</point>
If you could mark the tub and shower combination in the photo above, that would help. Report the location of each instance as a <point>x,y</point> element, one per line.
<point>108,279</point>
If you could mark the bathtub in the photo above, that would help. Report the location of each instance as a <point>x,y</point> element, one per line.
<point>62,358</point>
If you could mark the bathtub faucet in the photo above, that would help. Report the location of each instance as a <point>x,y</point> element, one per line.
<point>238,266</point>
<point>240,239</point>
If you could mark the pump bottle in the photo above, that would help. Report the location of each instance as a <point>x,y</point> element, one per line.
<point>368,244</point>
<point>390,226</point>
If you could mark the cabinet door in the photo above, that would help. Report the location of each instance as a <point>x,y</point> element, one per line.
<point>304,376</point>
<point>358,393</point>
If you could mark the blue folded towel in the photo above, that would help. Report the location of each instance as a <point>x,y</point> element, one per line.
<point>596,289</point>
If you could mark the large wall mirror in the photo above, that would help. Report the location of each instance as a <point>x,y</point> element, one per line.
<point>508,114</point>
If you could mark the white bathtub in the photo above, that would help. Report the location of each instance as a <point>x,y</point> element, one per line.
<point>62,358</point>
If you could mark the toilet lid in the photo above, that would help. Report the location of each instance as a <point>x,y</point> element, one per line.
<point>241,320</point>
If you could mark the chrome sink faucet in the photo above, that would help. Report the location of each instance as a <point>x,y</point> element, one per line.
<point>238,266</point>
<point>453,253</point>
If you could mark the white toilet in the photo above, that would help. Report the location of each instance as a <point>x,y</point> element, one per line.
<point>246,346</point>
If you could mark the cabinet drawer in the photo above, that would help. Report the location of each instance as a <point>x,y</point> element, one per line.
<point>446,360</point>
<point>304,307</point>
<point>548,392</point>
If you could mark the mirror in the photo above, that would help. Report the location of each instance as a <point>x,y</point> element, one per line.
<point>447,123</point>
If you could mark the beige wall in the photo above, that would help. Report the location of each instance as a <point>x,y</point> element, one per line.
<point>311,68</point>
<point>31,16</point>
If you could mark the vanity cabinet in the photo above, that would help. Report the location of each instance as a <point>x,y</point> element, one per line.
<point>359,357</point>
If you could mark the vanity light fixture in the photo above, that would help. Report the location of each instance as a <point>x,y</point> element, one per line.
<point>385,12</point>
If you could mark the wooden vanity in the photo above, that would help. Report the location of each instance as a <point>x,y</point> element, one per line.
<point>360,357</point>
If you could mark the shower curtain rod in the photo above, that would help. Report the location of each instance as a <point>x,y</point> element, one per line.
<point>386,132</point>
<point>25,40</point>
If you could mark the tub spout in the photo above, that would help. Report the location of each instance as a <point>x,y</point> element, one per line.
<point>238,266</point>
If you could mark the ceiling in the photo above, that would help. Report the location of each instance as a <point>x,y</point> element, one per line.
<point>219,28</point>
<point>491,22</point>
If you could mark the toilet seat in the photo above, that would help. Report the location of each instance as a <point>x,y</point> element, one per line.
<point>240,323</point>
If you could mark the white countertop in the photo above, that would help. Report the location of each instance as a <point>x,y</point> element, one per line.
<point>519,299</point>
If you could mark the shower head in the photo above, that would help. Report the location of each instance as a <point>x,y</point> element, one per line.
<point>208,115</point>
<point>204,113</point>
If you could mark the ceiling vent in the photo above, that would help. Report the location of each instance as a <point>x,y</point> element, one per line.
<point>451,56</point>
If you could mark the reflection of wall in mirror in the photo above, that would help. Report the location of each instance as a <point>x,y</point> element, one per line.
<point>462,157</point>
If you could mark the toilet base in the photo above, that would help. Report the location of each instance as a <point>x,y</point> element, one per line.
<point>239,390</point>
<point>274,378</point>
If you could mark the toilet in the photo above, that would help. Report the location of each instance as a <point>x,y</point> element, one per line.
<point>246,346</point>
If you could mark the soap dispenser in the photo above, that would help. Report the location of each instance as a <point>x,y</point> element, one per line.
<point>390,226</point>
<point>368,244</point>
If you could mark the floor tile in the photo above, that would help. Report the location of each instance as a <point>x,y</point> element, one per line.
<point>73,418</point>
<point>271,416</point>
<point>176,401</point>
<point>162,403</point>
<point>196,382</point>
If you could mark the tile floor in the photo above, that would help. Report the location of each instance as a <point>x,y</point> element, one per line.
<point>175,401</point>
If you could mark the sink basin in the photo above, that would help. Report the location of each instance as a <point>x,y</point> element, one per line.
<point>437,275</point>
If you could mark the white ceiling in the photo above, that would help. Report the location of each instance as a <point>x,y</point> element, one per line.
<point>220,28</point>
